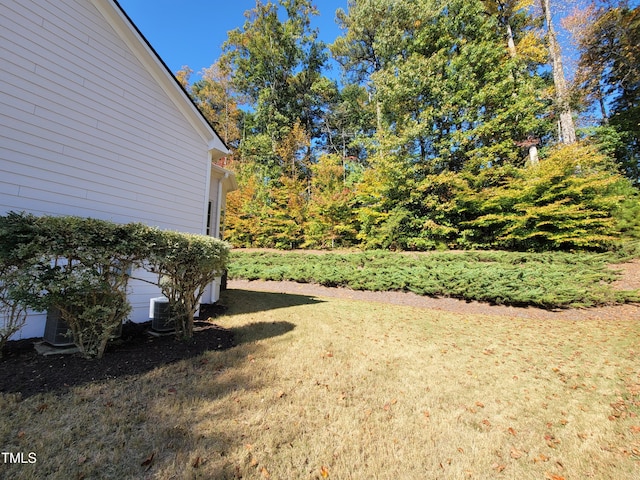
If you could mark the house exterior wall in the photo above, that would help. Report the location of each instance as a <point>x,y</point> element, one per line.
<point>85,128</point>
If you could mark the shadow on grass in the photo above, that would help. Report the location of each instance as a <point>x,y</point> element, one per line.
<point>255,331</point>
<point>247,301</point>
<point>136,352</point>
<point>23,370</point>
<point>209,379</point>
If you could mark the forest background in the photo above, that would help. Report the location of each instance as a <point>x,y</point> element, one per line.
<point>453,125</point>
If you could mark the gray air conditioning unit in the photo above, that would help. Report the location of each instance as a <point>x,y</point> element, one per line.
<point>160,315</point>
<point>56,330</point>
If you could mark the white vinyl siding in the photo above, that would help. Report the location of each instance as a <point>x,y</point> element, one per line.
<point>86,129</point>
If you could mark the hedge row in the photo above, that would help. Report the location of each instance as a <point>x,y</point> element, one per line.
<point>82,266</point>
<point>547,280</point>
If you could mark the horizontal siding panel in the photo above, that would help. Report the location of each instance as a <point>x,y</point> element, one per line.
<point>44,202</point>
<point>27,164</point>
<point>68,52</point>
<point>12,56</point>
<point>7,188</point>
<point>84,138</point>
<point>12,102</point>
<point>16,143</point>
<point>164,208</point>
<point>39,207</point>
<point>34,183</point>
<point>56,74</point>
<point>77,124</point>
<point>46,177</point>
<point>56,190</point>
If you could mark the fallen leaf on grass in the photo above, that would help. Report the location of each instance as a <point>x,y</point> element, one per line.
<point>147,461</point>
<point>551,476</point>
<point>635,428</point>
<point>324,472</point>
<point>552,441</point>
<point>512,431</point>
<point>265,473</point>
<point>498,468</point>
<point>387,406</point>
<point>515,453</point>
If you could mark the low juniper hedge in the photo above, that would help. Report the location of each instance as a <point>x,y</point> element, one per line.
<point>81,267</point>
<point>546,280</point>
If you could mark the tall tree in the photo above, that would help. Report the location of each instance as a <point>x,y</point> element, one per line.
<point>566,127</point>
<point>451,98</point>
<point>451,95</point>
<point>215,95</point>
<point>276,61</point>
<point>510,13</point>
<point>609,74</point>
<point>359,50</point>
<point>348,122</point>
<point>276,64</point>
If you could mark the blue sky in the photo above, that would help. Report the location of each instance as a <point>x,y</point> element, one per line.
<point>191,32</point>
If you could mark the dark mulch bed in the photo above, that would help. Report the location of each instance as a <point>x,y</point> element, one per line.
<point>25,371</point>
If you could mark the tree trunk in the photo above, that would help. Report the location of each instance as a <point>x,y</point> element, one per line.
<point>567,130</point>
<point>533,155</point>
<point>510,43</point>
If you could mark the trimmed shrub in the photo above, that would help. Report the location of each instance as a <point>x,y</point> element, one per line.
<point>14,275</point>
<point>80,267</point>
<point>13,314</point>
<point>185,264</point>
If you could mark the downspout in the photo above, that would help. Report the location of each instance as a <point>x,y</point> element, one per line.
<point>207,192</point>
<point>219,206</point>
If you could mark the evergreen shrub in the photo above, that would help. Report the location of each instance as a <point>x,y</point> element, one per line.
<point>81,267</point>
<point>568,201</point>
<point>185,264</point>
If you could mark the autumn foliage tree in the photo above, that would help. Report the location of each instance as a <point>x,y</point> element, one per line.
<point>430,137</point>
<point>609,76</point>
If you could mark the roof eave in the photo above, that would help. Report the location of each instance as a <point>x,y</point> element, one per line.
<point>146,54</point>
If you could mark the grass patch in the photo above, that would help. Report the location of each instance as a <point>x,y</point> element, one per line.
<point>548,280</point>
<point>331,388</point>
